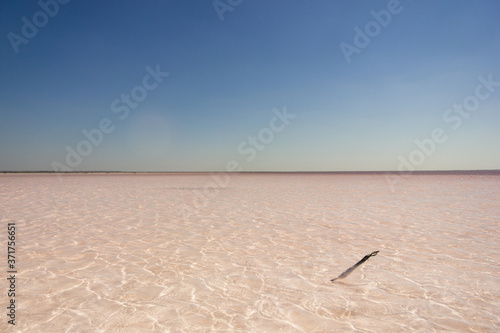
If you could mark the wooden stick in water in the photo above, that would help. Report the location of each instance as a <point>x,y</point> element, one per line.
<point>351,269</point>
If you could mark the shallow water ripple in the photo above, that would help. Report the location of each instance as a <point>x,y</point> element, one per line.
<point>117,253</point>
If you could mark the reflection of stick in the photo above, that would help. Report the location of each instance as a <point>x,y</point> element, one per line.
<point>350,269</point>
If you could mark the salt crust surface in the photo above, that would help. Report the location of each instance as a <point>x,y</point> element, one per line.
<point>152,253</point>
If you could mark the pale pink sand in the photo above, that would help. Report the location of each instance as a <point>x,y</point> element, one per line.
<point>132,253</point>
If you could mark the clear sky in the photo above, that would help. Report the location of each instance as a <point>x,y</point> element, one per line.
<point>252,85</point>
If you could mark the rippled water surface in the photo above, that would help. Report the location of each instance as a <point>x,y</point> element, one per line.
<point>253,253</point>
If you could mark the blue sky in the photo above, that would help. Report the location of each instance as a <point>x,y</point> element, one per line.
<point>214,111</point>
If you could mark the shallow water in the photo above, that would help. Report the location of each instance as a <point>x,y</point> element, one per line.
<point>253,253</point>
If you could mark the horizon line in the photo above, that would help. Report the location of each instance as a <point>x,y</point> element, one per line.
<point>242,172</point>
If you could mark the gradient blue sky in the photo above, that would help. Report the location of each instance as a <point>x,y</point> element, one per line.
<point>227,76</point>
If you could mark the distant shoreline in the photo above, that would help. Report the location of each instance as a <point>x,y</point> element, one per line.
<point>421,172</point>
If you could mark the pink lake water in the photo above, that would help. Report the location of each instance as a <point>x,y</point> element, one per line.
<point>252,253</point>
